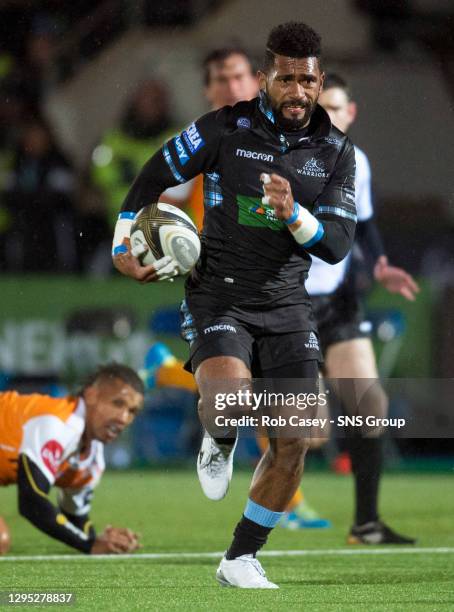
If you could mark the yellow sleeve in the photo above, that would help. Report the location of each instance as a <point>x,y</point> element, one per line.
<point>175,375</point>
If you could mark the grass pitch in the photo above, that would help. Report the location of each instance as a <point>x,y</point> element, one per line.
<point>172,515</point>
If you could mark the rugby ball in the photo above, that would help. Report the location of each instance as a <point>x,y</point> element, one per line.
<point>165,230</point>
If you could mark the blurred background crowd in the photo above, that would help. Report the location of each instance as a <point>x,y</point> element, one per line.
<point>48,198</point>
<point>89,90</point>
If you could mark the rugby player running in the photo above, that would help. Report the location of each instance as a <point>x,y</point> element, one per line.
<point>246,310</point>
<point>229,78</point>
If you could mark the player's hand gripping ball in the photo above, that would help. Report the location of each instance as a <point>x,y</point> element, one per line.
<point>161,230</point>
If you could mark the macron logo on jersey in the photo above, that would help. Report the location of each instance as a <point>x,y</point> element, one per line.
<point>51,454</point>
<point>192,138</point>
<point>181,152</point>
<point>220,327</point>
<point>254,155</point>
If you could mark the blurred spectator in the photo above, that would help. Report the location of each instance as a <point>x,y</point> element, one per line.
<point>12,112</point>
<point>229,78</point>
<point>40,71</point>
<point>164,13</point>
<point>38,193</point>
<point>94,236</point>
<point>176,13</point>
<point>123,151</point>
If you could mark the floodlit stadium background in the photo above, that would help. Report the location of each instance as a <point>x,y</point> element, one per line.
<point>79,66</point>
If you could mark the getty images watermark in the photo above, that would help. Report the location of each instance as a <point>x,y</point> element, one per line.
<point>289,406</point>
<point>399,407</point>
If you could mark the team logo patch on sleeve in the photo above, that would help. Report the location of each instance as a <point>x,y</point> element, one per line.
<point>192,138</point>
<point>333,141</point>
<point>51,454</point>
<point>348,191</point>
<point>181,151</point>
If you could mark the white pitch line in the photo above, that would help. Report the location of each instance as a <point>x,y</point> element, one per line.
<point>334,552</point>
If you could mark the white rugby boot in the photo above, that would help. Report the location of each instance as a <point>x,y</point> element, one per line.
<point>244,572</point>
<point>215,467</point>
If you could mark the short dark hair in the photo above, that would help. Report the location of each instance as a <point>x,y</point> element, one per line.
<point>292,39</point>
<point>112,371</point>
<point>334,80</point>
<point>219,56</point>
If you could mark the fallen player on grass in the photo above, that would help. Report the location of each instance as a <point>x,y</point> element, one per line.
<point>46,442</point>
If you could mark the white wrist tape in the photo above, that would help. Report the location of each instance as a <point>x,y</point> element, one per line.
<point>266,179</point>
<point>122,231</point>
<point>309,230</point>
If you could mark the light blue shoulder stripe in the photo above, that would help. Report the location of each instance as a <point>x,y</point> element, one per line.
<point>335,210</point>
<point>173,168</point>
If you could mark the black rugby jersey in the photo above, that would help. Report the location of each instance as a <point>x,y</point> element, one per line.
<point>248,255</point>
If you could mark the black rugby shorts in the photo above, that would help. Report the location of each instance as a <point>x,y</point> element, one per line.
<point>264,339</point>
<point>339,317</point>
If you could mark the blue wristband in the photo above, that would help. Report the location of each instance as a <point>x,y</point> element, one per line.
<point>127,215</point>
<point>122,248</point>
<point>294,217</point>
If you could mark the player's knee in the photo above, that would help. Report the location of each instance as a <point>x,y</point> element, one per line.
<point>209,418</point>
<point>229,400</point>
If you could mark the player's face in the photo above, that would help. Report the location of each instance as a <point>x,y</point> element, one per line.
<point>231,81</point>
<point>340,109</point>
<point>293,86</point>
<point>111,406</point>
